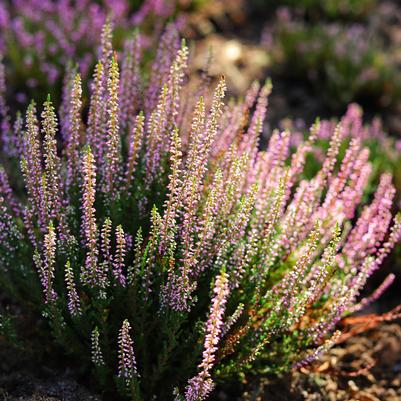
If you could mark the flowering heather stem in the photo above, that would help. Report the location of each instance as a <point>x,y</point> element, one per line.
<point>127,362</point>
<point>130,88</point>
<point>201,385</point>
<point>389,280</point>
<point>174,187</point>
<point>166,52</point>
<point>49,265</point>
<point>212,123</point>
<point>31,166</point>
<point>113,146</point>
<point>318,351</point>
<point>256,125</point>
<point>106,265</point>
<point>207,224</point>
<point>106,46</point>
<point>135,269</point>
<point>73,135</point>
<point>119,258</point>
<point>74,304</point>
<point>89,270</point>
<point>232,319</point>
<point>156,126</point>
<point>176,78</point>
<point>97,116</point>
<point>97,356</point>
<point>52,161</point>
<point>134,146</point>
<point>154,238</point>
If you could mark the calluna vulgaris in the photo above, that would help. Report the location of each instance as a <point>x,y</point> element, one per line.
<point>44,35</point>
<point>165,248</point>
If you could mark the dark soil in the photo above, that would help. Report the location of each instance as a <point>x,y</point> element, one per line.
<point>365,368</point>
<point>32,370</point>
<point>27,379</point>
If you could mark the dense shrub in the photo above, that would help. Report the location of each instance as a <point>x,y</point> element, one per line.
<point>384,150</point>
<point>328,9</point>
<point>41,39</point>
<point>166,250</point>
<point>346,62</point>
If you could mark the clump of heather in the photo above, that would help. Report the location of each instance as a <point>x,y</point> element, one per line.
<point>166,250</point>
<point>384,150</point>
<point>39,39</point>
<point>333,53</point>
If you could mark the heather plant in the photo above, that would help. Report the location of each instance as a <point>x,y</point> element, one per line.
<point>351,60</point>
<point>41,39</point>
<point>330,9</point>
<point>166,250</point>
<point>384,150</point>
